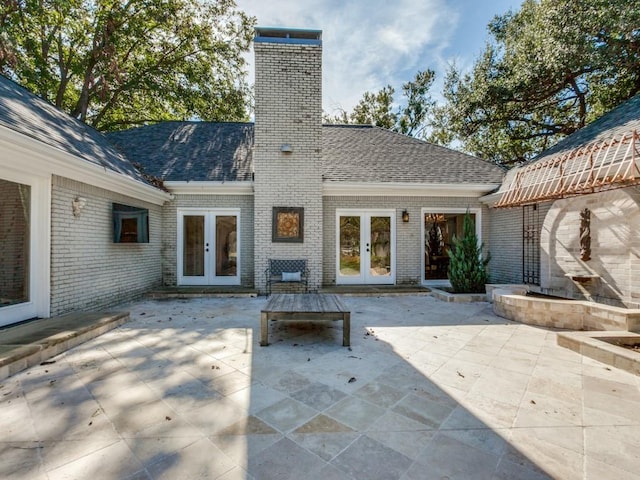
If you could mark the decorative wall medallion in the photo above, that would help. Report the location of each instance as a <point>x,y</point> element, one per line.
<point>288,224</point>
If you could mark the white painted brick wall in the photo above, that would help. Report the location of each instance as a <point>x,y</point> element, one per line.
<point>288,109</point>
<point>615,247</point>
<point>88,270</point>
<point>170,232</point>
<point>409,242</point>
<point>505,237</point>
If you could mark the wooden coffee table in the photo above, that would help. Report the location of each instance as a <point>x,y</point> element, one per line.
<point>307,306</point>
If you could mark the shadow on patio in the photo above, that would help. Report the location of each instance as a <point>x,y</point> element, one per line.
<point>428,390</point>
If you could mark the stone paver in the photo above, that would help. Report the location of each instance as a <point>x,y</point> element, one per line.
<point>428,389</point>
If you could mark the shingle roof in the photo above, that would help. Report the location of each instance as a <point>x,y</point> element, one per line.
<point>203,151</point>
<point>363,153</point>
<point>24,112</point>
<point>190,151</point>
<point>622,119</point>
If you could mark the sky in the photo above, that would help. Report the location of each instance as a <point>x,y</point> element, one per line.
<point>368,44</point>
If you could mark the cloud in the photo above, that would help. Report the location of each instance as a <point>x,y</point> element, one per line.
<point>366,44</point>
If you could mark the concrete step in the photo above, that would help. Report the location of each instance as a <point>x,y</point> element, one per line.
<point>33,342</point>
<point>235,291</point>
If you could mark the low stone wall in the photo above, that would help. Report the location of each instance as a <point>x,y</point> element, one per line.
<point>567,314</point>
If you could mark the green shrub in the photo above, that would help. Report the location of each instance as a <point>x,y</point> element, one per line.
<point>467,269</point>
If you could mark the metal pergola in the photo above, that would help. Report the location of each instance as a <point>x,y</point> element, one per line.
<point>596,167</point>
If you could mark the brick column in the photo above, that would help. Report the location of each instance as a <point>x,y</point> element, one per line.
<point>288,111</point>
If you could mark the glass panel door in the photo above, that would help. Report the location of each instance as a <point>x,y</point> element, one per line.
<point>365,248</point>
<point>349,252</point>
<point>226,246</point>
<point>208,248</point>
<point>380,251</point>
<point>15,235</point>
<point>439,231</point>
<point>194,246</point>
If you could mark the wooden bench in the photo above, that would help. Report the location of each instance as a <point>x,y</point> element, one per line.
<point>289,271</point>
<point>310,306</point>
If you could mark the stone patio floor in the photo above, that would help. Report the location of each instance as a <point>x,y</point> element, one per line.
<point>428,390</point>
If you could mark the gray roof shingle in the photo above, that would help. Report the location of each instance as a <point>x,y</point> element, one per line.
<point>24,112</point>
<point>204,151</point>
<point>190,151</point>
<point>364,153</point>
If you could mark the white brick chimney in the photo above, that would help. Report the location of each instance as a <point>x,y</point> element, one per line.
<point>288,145</point>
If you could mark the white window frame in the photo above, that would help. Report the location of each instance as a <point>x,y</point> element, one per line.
<point>426,210</point>
<point>365,212</point>
<point>39,303</point>
<point>181,212</point>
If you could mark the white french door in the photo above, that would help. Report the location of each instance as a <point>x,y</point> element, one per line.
<point>208,247</point>
<point>366,247</point>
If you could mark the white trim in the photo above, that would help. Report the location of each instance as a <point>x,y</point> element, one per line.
<point>210,188</point>
<point>39,249</point>
<point>408,189</point>
<point>475,211</point>
<point>209,277</point>
<point>491,199</point>
<point>39,158</point>
<point>364,278</point>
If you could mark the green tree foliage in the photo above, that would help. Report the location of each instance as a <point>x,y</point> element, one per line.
<point>467,268</point>
<point>548,70</point>
<point>378,108</point>
<point>118,63</point>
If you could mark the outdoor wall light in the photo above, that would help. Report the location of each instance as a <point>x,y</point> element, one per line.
<point>405,216</point>
<point>286,148</point>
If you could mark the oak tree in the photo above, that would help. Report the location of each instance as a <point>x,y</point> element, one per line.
<point>548,70</point>
<point>410,118</point>
<point>119,63</point>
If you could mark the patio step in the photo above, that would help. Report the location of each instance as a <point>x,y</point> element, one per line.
<point>200,292</point>
<point>32,342</point>
<point>375,290</point>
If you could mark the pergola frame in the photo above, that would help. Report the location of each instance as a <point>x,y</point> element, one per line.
<point>596,167</point>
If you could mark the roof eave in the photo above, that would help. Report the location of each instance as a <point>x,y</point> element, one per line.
<point>36,156</point>
<point>408,189</point>
<point>209,187</point>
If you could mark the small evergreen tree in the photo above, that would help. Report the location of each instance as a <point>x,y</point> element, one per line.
<point>467,269</point>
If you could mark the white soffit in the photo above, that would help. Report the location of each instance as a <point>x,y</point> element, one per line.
<point>23,153</point>
<point>210,188</point>
<point>408,189</point>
